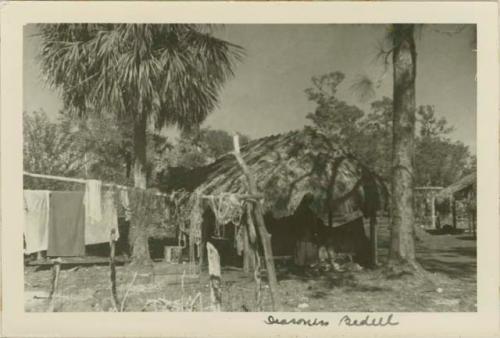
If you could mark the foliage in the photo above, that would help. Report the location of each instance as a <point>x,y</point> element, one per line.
<point>332,117</point>
<point>49,148</point>
<point>439,161</point>
<point>98,148</point>
<point>173,72</point>
<point>198,148</point>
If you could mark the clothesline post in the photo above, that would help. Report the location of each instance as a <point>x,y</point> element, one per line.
<point>56,269</point>
<point>256,211</point>
<point>114,297</point>
<point>215,277</point>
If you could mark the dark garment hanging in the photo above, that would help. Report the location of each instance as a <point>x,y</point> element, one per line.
<point>66,224</point>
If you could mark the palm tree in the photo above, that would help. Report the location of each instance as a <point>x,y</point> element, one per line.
<point>142,73</point>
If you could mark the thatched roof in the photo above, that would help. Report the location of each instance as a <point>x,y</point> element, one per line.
<point>289,169</point>
<point>465,183</point>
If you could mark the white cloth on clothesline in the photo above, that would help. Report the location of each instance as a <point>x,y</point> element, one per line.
<point>92,200</point>
<point>36,220</point>
<point>99,232</point>
<point>125,204</point>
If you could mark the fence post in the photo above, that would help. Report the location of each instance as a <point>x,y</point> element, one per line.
<point>215,276</point>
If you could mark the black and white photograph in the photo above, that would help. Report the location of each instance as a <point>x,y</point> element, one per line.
<point>188,167</point>
<point>321,169</point>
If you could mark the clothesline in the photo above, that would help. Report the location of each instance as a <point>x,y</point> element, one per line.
<point>83,181</point>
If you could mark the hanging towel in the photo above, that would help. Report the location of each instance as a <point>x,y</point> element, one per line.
<point>99,232</point>
<point>36,220</point>
<point>239,240</point>
<point>66,224</point>
<point>125,203</point>
<point>93,207</point>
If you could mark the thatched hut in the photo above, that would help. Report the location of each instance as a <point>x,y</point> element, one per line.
<point>309,185</point>
<point>462,190</point>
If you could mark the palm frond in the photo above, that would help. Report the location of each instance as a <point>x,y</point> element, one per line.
<point>174,72</point>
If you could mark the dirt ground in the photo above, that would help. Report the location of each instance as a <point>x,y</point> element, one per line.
<point>451,286</point>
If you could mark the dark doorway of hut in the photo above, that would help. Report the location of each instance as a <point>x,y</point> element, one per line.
<point>296,240</point>
<point>302,244</point>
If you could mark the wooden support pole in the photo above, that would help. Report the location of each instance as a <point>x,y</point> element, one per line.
<point>192,257</point>
<point>258,215</point>
<point>215,277</point>
<point>249,251</point>
<point>250,243</point>
<point>112,268</point>
<point>204,240</point>
<point>258,283</point>
<point>56,269</point>
<point>246,251</point>
<point>374,240</point>
<point>433,211</point>
<point>454,211</point>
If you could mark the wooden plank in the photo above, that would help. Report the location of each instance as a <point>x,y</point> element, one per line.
<point>78,261</point>
<point>215,277</point>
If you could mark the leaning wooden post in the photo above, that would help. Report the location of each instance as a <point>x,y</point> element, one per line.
<point>246,251</point>
<point>215,278</point>
<point>56,269</point>
<point>258,214</point>
<point>112,275</point>
<point>250,252</point>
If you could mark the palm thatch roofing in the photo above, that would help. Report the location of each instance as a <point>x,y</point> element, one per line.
<point>465,183</point>
<point>290,169</point>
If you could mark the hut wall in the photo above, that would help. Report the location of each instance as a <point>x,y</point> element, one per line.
<point>302,234</point>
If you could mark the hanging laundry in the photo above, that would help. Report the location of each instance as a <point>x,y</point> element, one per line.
<point>36,220</point>
<point>93,207</point>
<point>99,232</point>
<point>66,224</point>
<point>125,204</point>
<point>239,239</point>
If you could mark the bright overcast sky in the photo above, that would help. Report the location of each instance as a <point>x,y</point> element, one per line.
<point>266,95</point>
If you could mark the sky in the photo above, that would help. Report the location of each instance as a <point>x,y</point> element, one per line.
<point>266,95</point>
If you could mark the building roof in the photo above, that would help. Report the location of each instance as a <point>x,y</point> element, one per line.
<point>290,169</point>
<point>466,182</point>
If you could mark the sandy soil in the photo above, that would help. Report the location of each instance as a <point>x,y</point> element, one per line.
<point>451,259</point>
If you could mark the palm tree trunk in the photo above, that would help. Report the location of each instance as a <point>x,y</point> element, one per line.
<point>138,238</point>
<point>402,249</point>
<point>140,177</point>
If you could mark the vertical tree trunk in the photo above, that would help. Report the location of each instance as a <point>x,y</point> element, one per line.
<point>402,249</point>
<point>140,124</point>
<point>137,236</point>
<point>140,201</point>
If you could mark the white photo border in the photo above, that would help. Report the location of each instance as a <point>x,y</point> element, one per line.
<point>14,15</point>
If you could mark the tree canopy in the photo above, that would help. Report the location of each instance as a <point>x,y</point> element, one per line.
<point>439,161</point>
<point>173,72</point>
